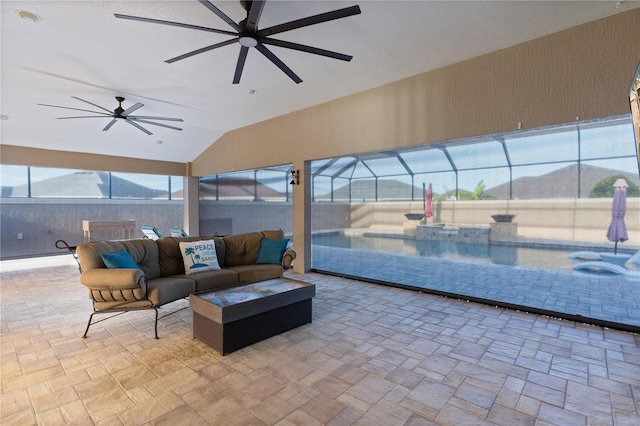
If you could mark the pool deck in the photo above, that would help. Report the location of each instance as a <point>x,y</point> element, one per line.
<point>600,298</point>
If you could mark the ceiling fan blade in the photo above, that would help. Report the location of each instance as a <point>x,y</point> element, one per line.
<point>174,24</point>
<point>85,116</point>
<point>202,50</point>
<point>78,109</point>
<point>221,15</point>
<point>91,103</point>
<point>108,126</point>
<point>146,117</point>
<point>308,49</point>
<point>310,20</point>
<point>151,122</point>
<point>131,109</point>
<point>273,58</point>
<point>134,124</point>
<point>242,57</point>
<point>254,15</point>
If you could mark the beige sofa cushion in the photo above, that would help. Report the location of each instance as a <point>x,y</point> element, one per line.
<point>211,280</point>
<point>165,290</point>
<point>252,273</point>
<point>243,249</point>
<point>143,251</point>
<point>273,234</point>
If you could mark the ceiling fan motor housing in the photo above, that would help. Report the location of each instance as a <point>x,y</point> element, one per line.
<point>118,111</point>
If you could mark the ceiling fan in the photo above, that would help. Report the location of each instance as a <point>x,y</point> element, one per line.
<point>246,33</point>
<point>119,114</point>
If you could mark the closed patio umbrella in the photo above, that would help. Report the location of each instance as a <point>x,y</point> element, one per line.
<point>617,231</point>
<point>428,210</point>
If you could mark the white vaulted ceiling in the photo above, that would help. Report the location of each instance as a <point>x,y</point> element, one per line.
<point>79,48</point>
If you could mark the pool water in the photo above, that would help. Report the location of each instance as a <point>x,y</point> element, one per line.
<point>551,258</point>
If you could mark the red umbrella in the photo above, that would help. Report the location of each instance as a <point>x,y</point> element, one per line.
<point>428,211</point>
<point>617,231</point>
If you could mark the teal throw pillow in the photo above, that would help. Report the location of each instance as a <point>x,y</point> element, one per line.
<point>271,251</point>
<point>119,259</point>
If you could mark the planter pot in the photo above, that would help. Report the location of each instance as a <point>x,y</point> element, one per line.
<point>414,216</point>
<point>503,218</point>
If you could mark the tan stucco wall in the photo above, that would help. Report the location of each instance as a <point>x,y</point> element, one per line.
<point>17,155</point>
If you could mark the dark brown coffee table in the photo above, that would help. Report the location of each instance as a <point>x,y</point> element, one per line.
<point>232,318</point>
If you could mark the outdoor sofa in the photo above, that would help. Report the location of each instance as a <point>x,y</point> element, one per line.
<point>157,275</point>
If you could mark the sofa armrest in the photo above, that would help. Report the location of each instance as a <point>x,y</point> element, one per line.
<point>114,279</point>
<point>288,257</point>
<point>115,285</point>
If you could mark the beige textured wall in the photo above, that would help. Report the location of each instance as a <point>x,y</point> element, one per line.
<point>34,157</point>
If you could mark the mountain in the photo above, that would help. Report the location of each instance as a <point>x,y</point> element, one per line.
<point>561,183</point>
<point>237,187</point>
<point>388,189</point>
<point>84,184</point>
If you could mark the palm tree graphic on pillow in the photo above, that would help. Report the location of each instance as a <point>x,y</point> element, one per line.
<point>189,251</point>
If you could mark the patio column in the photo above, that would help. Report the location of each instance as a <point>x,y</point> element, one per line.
<point>191,206</point>
<point>302,219</point>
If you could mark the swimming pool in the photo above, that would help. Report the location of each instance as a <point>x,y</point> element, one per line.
<point>542,257</point>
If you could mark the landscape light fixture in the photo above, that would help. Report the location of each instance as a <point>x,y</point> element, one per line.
<point>295,177</point>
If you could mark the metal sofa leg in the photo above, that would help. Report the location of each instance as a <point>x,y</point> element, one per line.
<point>156,323</point>
<point>84,336</point>
<point>90,322</point>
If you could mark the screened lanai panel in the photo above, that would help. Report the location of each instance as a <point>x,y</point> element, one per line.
<point>388,165</point>
<point>246,201</point>
<point>544,181</point>
<point>230,186</point>
<point>443,184</point>
<point>273,184</point>
<point>43,182</point>
<point>606,141</point>
<point>139,186</point>
<point>361,170</point>
<point>342,166</point>
<point>383,189</point>
<point>543,147</point>
<point>426,160</point>
<point>66,183</point>
<point>484,184</point>
<point>14,181</point>
<point>484,154</point>
<point>363,190</point>
<point>594,172</point>
<point>341,190</point>
<point>541,174</point>
<point>322,188</point>
<point>177,187</point>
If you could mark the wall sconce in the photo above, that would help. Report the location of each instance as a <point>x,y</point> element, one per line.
<point>295,177</point>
